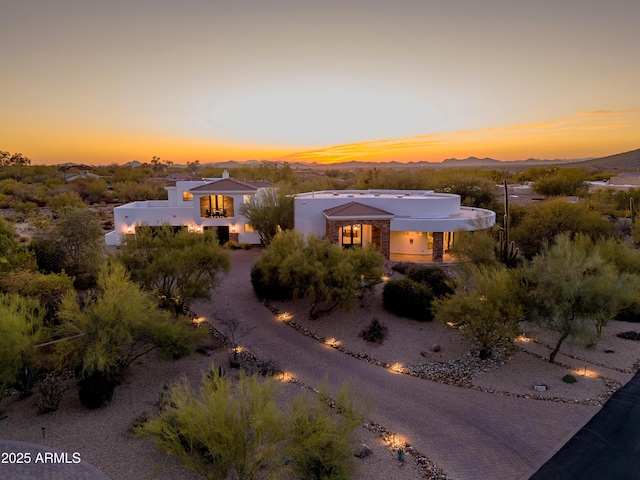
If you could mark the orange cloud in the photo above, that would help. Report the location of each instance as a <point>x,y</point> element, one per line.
<point>608,112</point>
<point>352,151</point>
<point>547,139</point>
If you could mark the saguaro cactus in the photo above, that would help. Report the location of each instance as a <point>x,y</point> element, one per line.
<point>508,250</point>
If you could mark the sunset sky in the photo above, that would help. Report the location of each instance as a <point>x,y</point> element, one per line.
<point>99,81</point>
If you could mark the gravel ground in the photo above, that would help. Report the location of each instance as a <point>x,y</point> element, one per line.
<point>409,347</point>
<point>102,436</point>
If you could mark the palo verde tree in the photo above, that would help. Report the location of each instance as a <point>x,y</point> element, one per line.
<point>324,273</point>
<point>179,267</point>
<point>224,431</point>
<point>116,324</point>
<point>269,211</point>
<point>320,441</point>
<point>561,284</point>
<point>485,306</point>
<point>21,329</point>
<point>236,430</point>
<point>619,279</point>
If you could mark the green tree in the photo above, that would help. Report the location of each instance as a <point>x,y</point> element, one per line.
<point>562,182</point>
<point>74,245</point>
<point>270,211</point>
<point>116,324</point>
<point>485,306</point>
<point>477,247</point>
<point>16,160</point>
<point>544,221</point>
<point>13,255</point>
<point>49,289</point>
<point>324,273</point>
<point>473,190</point>
<point>561,283</point>
<point>21,329</point>
<point>223,431</point>
<point>180,267</point>
<point>65,200</point>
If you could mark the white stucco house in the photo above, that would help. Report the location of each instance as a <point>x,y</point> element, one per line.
<point>416,224</point>
<point>196,205</point>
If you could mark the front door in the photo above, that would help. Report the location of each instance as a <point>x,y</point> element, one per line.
<point>223,235</point>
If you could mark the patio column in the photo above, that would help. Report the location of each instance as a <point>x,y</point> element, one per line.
<point>438,246</point>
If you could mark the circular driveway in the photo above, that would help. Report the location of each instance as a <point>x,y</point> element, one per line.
<point>470,434</point>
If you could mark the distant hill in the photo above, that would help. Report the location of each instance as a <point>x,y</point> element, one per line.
<point>619,161</point>
<point>471,162</point>
<point>622,161</point>
<point>490,162</point>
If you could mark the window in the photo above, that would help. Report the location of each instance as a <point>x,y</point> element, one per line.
<point>248,228</point>
<point>246,198</point>
<point>187,196</point>
<point>351,235</point>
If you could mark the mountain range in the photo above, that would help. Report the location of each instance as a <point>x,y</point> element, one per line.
<point>621,161</point>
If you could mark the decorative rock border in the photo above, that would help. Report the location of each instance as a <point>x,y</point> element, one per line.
<point>458,373</point>
<point>633,369</point>
<point>428,469</point>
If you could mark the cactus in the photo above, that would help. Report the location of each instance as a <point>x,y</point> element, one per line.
<point>633,210</point>
<point>508,250</point>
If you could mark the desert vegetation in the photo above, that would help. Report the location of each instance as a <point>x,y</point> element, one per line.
<point>66,305</point>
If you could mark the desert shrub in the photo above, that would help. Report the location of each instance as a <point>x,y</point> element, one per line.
<point>236,429</point>
<point>569,379</point>
<point>407,298</point>
<point>96,389</point>
<point>231,245</point>
<point>631,335</point>
<point>321,441</point>
<point>224,430</point>
<point>629,313</point>
<point>376,331</point>
<point>435,278</point>
<point>50,397</point>
<point>269,290</point>
<point>402,267</point>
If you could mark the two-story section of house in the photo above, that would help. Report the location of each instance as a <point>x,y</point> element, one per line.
<point>196,205</point>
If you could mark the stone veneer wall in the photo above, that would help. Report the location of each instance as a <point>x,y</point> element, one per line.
<point>233,237</point>
<point>333,229</point>
<point>438,246</point>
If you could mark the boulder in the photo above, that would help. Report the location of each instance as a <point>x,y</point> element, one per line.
<point>362,451</point>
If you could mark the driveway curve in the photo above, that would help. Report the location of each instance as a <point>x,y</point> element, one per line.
<point>470,434</point>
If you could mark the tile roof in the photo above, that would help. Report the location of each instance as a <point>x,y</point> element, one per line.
<point>356,209</point>
<point>225,185</point>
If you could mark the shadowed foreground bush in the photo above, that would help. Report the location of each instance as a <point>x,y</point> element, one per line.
<point>238,431</point>
<point>407,298</point>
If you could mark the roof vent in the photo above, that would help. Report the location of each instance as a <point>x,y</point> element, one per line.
<point>335,194</point>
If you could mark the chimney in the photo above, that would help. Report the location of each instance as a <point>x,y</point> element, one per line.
<point>225,174</point>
